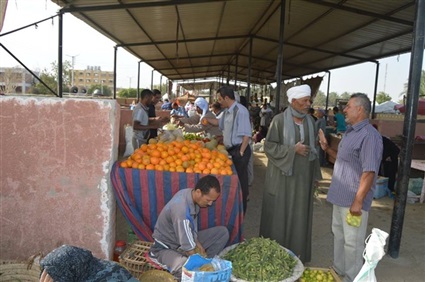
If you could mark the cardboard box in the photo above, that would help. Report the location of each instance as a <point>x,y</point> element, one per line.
<point>381,189</point>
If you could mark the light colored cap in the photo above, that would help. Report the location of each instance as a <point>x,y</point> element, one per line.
<point>298,92</point>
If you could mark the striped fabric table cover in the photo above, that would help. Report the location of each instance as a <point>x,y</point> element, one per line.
<point>141,195</point>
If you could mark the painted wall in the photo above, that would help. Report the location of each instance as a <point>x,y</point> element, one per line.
<point>55,158</point>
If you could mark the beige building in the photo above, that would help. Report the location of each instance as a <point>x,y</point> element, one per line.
<point>92,75</point>
<point>15,80</point>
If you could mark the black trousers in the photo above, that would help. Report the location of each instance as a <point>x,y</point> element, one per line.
<point>241,165</point>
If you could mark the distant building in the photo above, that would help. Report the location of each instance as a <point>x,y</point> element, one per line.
<point>92,75</point>
<point>15,80</point>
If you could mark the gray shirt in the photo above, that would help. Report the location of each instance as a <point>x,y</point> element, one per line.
<point>235,125</point>
<point>360,150</point>
<point>177,225</point>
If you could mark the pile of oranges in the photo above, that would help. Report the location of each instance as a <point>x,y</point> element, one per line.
<point>179,156</point>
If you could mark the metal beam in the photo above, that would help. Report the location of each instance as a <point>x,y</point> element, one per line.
<point>364,12</point>
<point>173,41</point>
<point>75,9</point>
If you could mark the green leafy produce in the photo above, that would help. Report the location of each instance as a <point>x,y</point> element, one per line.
<point>313,275</point>
<point>261,259</point>
<point>353,220</point>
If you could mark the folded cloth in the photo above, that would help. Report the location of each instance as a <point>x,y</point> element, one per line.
<point>69,263</point>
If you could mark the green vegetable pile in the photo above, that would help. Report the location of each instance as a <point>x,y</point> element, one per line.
<point>261,259</point>
<point>192,136</point>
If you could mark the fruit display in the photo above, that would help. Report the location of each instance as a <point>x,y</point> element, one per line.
<point>180,156</point>
<point>260,259</point>
<point>313,275</point>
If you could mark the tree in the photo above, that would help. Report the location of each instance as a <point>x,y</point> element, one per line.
<point>332,99</point>
<point>382,97</point>
<point>12,77</point>
<point>320,99</point>
<point>421,87</point>
<point>50,77</point>
<point>128,93</point>
<point>345,96</point>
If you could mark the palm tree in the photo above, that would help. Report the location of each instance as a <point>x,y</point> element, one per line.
<point>421,87</point>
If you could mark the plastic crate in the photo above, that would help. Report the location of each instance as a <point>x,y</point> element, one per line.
<point>381,189</point>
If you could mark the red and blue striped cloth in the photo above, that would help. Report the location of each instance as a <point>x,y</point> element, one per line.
<point>141,195</point>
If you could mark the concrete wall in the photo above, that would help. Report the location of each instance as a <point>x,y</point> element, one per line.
<point>55,159</point>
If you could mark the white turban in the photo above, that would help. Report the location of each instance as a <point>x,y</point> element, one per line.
<point>202,104</point>
<point>298,92</point>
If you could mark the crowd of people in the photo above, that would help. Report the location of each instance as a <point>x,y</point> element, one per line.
<point>295,145</point>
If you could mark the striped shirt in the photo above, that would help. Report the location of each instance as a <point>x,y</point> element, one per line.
<point>235,125</point>
<point>360,150</point>
<point>177,226</point>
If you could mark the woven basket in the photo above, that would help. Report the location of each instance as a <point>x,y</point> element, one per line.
<point>134,260</point>
<point>20,271</point>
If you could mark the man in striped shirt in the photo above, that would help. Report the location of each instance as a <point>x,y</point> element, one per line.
<point>176,234</point>
<point>353,182</point>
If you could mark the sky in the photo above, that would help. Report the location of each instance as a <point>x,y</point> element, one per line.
<point>37,48</point>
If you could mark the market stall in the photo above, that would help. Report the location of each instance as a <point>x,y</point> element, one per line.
<point>141,195</point>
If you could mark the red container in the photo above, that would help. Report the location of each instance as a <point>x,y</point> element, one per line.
<point>119,249</point>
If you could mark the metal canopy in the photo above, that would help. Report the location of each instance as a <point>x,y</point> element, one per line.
<point>198,39</point>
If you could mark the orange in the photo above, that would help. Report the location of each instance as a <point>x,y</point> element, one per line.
<point>185,158</point>
<point>146,161</point>
<point>229,162</point>
<point>123,164</point>
<point>155,153</point>
<point>180,169</point>
<point>129,162</point>
<point>150,167</point>
<point>217,164</point>
<point>223,172</point>
<point>144,147</point>
<point>189,170</point>
<point>162,162</point>
<point>202,166</point>
<point>155,160</point>
<point>179,162</point>
<point>141,166</point>
<point>164,154</point>
<point>159,167</point>
<point>172,169</point>
<point>214,170</point>
<point>210,165</point>
<point>170,159</point>
<point>206,171</point>
<point>185,149</point>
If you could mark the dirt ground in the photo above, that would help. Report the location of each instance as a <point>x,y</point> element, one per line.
<point>410,264</point>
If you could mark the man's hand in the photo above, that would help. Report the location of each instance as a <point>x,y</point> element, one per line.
<point>322,140</point>
<point>302,149</point>
<point>356,208</point>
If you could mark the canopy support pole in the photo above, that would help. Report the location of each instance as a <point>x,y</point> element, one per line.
<point>375,90</point>
<point>236,69</point>
<point>409,125</point>
<point>115,71</point>
<point>138,80</point>
<point>248,88</point>
<point>280,56</point>
<point>60,55</point>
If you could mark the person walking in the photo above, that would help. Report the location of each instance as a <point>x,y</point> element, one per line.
<point>292,169</point>
<point>339,121</point>
<point>353,182</point>
<point>237,133</point>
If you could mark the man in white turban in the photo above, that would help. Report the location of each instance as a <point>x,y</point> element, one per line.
<point>298,92</point>
<point>293,167</point>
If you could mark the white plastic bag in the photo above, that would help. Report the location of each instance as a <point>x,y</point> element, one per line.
<point>372,254</point>
<point>129,149</point>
